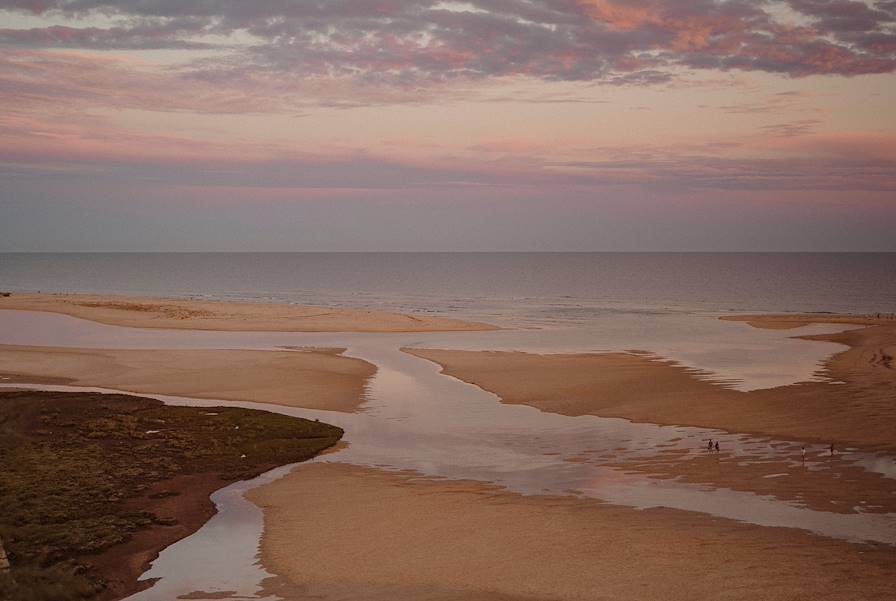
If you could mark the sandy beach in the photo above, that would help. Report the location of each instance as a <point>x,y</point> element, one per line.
<point>371,534</point>
<point>854,405</point>
<point>313,378</point>
<point>424,539</point>
<point>186,314</point>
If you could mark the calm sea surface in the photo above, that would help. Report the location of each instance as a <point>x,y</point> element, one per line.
<point>519,287</point>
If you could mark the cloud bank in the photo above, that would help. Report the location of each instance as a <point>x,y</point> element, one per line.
<point>592,105</point>
<point>421,42</point>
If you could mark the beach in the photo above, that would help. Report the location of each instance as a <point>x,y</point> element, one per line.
<point>371,531</point>
<point>417,538</point>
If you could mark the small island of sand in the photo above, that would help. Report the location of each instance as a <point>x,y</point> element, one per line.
<point>191,314</point>
<point>853,405</point>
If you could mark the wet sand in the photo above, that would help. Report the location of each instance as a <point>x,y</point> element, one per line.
<point>789,321</point>
<point>187,314</point>
<point>852,405</point>
<point>821,482</point>
<point>311,379</point>
<point>436,539</point>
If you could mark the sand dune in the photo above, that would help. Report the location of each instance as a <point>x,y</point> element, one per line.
<point>184,314</point>
<point>313,379</point>
<point>427,540</point>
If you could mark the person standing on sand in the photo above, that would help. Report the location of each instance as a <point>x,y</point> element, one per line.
<point>803,450</point>
<point>832,449</point>
<point>717,446</point>
<point>709,445</point>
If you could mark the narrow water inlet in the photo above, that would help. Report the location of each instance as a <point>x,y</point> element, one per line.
<point>221,556</point>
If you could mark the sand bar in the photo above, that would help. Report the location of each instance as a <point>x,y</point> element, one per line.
<point>312,379</point>
<point>187,314</point>
<point>423,539</point>
<point>854,405</point>
<point>789,321</point>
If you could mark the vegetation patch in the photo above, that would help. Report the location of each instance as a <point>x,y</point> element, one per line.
<point>83,474</point>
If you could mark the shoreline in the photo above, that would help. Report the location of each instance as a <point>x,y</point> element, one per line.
<point>789,321</point>
<point>230,316</point>
<point>851,405</point>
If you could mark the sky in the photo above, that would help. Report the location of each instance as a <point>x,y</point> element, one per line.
<point>354,125</point>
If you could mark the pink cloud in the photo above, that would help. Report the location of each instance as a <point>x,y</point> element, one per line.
<point>418,43</point>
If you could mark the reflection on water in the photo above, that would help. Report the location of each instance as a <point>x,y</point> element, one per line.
<point>221,556</point>
<point>418,419</point>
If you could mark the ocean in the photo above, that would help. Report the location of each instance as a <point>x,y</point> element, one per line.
<point>535,288</point>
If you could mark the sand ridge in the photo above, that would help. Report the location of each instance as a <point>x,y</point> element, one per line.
<point>308,378</point>
<point>191,314</point>
<point>790,321</point>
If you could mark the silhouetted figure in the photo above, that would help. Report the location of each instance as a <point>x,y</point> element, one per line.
<point>709,445</point>
<point>804,453</point>
<point>832,449</point>
<point>717,446</point>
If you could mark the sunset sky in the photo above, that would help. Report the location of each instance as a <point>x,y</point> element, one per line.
<point>424,125</point>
